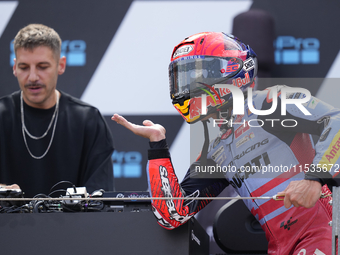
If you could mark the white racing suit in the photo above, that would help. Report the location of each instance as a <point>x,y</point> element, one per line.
<point>260,156</point>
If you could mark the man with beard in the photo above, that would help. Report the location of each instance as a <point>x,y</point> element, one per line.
<point>46,135</point>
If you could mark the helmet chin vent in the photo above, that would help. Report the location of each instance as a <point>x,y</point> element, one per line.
<point>180,100</point>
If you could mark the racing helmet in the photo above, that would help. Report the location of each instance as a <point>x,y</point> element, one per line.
<point>200,62</point>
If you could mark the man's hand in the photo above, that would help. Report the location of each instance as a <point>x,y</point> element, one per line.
<point>303,193</point>
<point>154,132</point>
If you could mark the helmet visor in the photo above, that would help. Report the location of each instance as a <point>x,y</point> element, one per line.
<point>187,76</point>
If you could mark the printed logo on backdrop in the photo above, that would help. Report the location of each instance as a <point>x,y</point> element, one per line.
<point>75,52</point>
<point>290,50</point>
<point>127,164</point>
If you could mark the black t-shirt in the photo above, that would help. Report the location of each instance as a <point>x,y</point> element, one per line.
<point>80,152</point>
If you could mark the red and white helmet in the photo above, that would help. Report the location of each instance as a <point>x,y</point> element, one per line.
<point>200,62</point>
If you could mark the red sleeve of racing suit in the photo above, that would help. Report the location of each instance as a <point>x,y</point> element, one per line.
<point>163,182</point>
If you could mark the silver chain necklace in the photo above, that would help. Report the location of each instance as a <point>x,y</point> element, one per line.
<point>25,131</point>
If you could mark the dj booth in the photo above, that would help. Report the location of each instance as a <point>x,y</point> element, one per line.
<point>119,230</point>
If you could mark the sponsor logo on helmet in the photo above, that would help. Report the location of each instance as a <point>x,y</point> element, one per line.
<point>224,91</point>
<point>230,68</point>
<point>248,65</point>
<point>185,49</point>
<point>239,82</point>
<point>196,103</point>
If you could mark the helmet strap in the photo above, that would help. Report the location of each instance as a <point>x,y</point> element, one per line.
<point>224,114</point>
<point>204,153</point>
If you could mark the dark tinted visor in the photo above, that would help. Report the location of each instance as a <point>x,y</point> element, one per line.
<point>187,75</point>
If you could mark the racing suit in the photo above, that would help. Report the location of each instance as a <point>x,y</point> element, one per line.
<point>259,156</point>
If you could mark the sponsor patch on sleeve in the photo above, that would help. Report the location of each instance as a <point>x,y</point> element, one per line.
<point>332,153</point>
